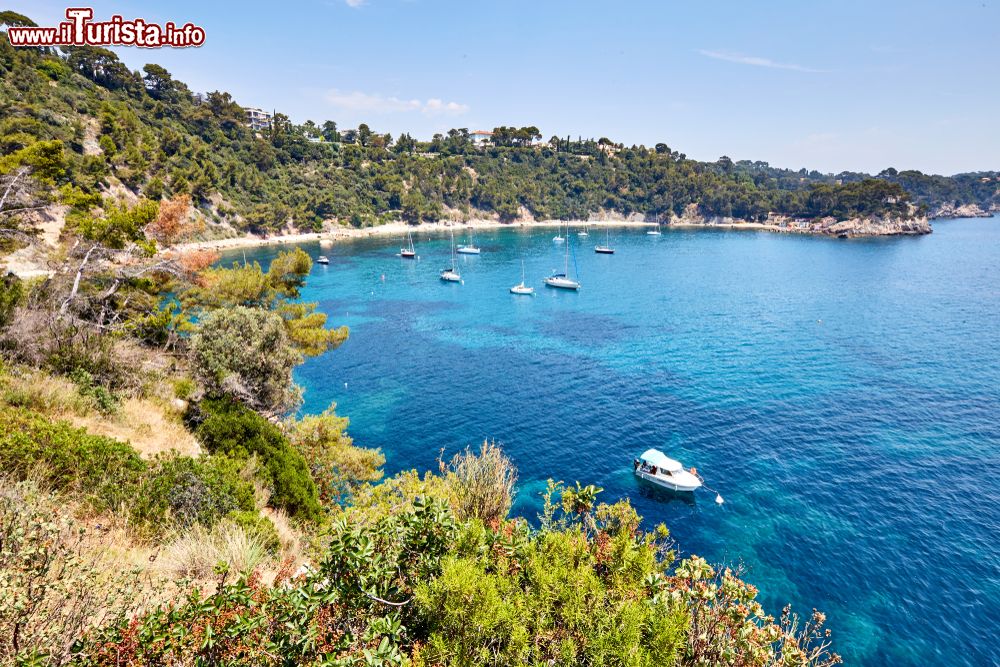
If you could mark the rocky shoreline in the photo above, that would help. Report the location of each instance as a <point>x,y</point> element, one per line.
<point>964,211</point>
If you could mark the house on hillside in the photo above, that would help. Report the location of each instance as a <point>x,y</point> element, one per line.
<point>258,119</point>
<point>481,138</point>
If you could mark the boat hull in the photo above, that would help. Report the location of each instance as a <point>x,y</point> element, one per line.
<point>450,277</point>
<point>562,283</point>
<point>682,482</point>
<point>407,254</point>
<point>523,291</point>
<point>468,251</point>
<point>600,250</point>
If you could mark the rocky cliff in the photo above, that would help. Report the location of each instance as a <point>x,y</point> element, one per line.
<point>949,210</point>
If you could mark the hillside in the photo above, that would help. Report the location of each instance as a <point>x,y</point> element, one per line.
<point>144,134</point>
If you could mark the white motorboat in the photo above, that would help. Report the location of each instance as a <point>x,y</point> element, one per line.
<point>322,259</point>
<point>658,468</point>
<point>522,288</point>
<point>451,274</point>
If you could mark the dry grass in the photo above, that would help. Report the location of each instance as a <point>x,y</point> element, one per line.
<point>198,553</point>
<point>148,426</point>
<point>151,425</point>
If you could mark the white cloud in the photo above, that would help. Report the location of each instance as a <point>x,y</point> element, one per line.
<point>358,101</point>
<point>354,3</point>
<point>754,60</point>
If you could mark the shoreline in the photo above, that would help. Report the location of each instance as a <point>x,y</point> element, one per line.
<point>390,229</point>
<point>402,228</point>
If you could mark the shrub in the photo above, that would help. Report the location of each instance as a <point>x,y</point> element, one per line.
<point>259,527</point>
<point>338,467</point>
<point>181,491</point>
<point>105,472</point>
<point>483,483</point>
<point>53,586</point>
<point>226,427</point>
<point>245,353</point>
<point>104,401</point>
<point>11,293</point>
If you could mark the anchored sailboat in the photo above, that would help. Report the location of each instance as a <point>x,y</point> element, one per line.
<point>558,238</point>
<point>469,249</point>
<point>451,274</point>
<point>522,288</point>
<point>562,280</point>
<point>409,252</point>
<point>605,249</point>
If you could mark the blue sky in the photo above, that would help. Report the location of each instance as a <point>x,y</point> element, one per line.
<point>828,85</point>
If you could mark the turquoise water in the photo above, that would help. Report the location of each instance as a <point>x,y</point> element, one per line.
<point>843,396</point>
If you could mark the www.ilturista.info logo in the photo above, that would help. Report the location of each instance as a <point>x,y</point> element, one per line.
<point>80,30</point>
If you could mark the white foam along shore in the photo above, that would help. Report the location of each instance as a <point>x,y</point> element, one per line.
<point>398,229</point>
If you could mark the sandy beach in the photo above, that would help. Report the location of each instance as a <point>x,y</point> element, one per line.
<point>390,229</point>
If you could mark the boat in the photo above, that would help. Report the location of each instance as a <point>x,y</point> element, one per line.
<point>469,249</point>
<point>562,280</point>
<point>656,467</point>
<point>522,288</point>
<point>558,238</point>
<point>605,249</point>
<point>409,252</point>
<point>451,274</point>
<point>583,232</point>
<point>322,259</point>
<point>655,231</point>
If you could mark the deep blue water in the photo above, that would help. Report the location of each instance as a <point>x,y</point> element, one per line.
<point>844,397</point>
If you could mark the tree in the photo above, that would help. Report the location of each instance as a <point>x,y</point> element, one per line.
<point>172,222</point>
<point>102,67</point>
<point>159,84</point>
<point>245,353</point>
<point>330,132</point>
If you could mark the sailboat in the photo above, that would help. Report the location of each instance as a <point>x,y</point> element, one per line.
<point>558,238</point>
<point>469,249</point>
<point>605,249</point>
<point>410,252</point>
<point>583,232</point>
<point>522,288</point>
<point>655,231</point>
<point>562,280</point>
<point>451,274</point>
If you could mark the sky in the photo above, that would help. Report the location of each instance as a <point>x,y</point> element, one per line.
<point>831,85</point>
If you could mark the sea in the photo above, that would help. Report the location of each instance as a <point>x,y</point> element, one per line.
<point>841,395</point>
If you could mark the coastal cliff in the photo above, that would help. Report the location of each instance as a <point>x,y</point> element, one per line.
<point>826,226</point>
<point>950,210</point>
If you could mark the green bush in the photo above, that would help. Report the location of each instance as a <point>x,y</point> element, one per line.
<point>258,526</point>
<point>11,293</point>
<point>226,427</point>
<point>105,472</point>
<point>181,491</point>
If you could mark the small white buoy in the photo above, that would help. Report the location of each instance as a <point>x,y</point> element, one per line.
<point>718,499</point>
<point>345,385</point>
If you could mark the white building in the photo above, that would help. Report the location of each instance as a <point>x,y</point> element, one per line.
<point>258,119</point>
<point>481,138</point>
